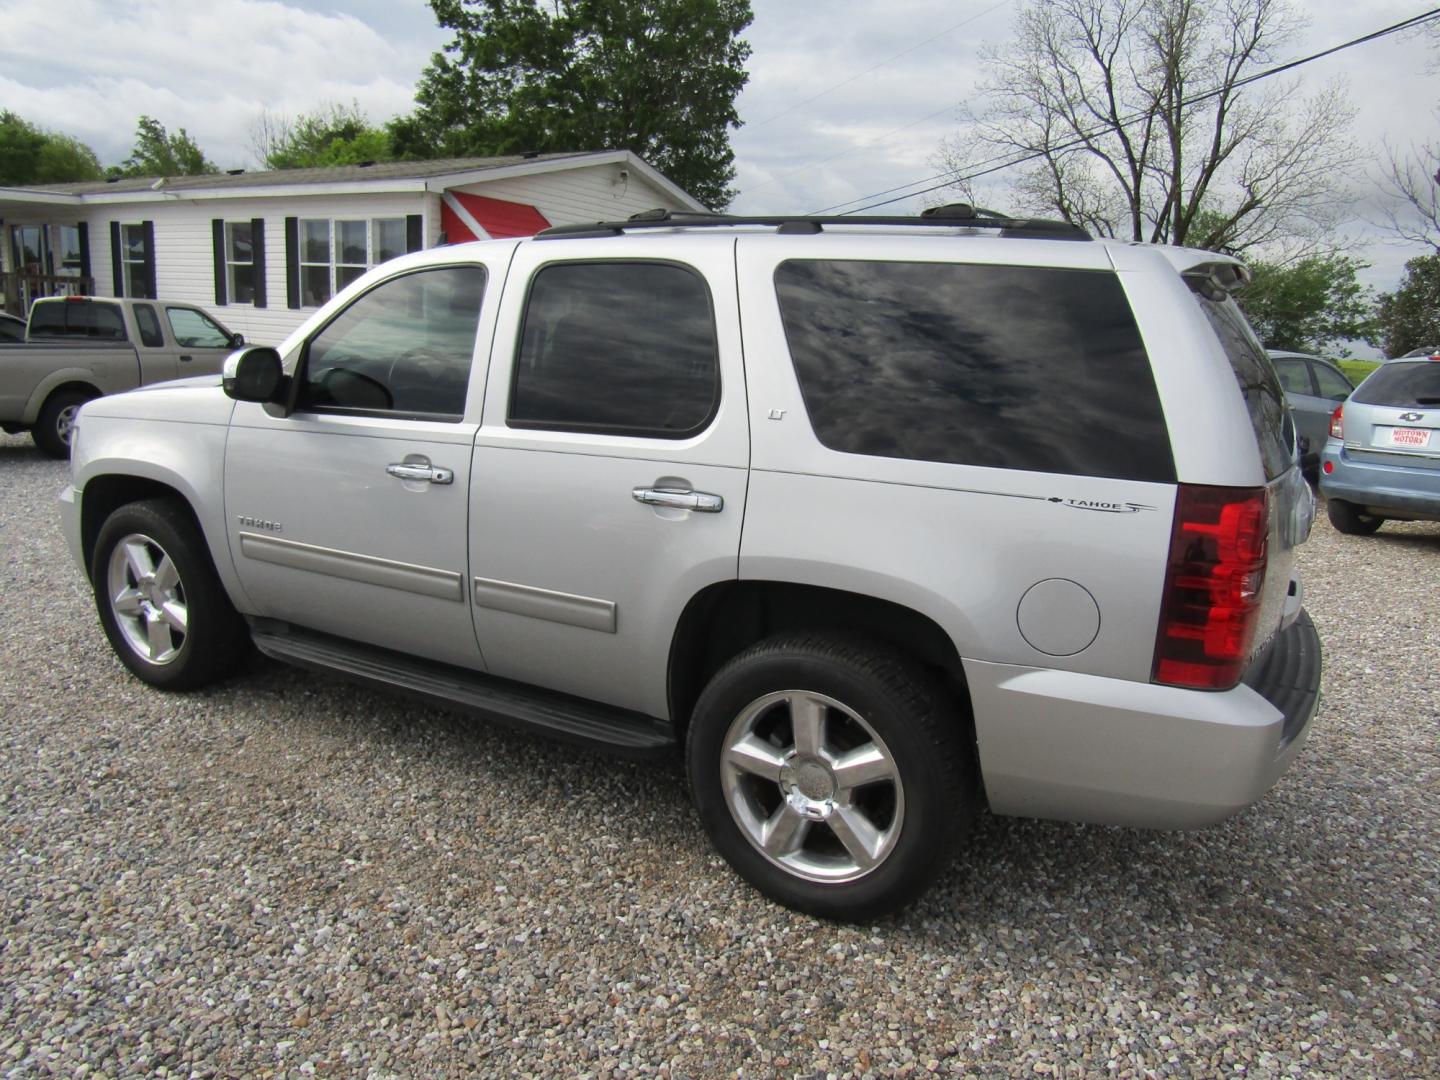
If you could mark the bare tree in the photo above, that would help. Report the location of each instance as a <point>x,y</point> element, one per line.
<point>1136,118</point>
<point>1411,186</point>
<point>269,133</point>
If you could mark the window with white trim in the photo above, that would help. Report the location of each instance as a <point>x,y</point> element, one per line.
<point>240,261</point>
<point>336,251</point>
<point>135,261</point>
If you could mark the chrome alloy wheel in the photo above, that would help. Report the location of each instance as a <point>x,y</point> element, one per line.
<point>812,786</point>
<point>65,423</point>
<point>147,598</point>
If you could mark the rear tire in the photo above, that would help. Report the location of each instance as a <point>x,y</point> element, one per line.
<point>55,425</point>
<point>1350,519</point>
<point>835,775</point>
<point>160,601</point>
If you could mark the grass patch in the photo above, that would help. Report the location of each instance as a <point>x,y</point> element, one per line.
<point>1357,369</point>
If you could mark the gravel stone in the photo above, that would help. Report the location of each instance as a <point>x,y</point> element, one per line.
<point>289,876</point>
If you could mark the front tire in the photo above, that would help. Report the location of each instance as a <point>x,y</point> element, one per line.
<point>834,775</point>
<point>160,601</point>
<point>1350,519</point>
<point>55,426</point>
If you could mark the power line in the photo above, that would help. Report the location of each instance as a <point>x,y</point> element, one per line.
<point>875,67</point>
<point>846,153</point>
<point>1080,140</point>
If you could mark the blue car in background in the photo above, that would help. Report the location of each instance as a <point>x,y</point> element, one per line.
<point>1313,387</point>
<point>1382,460</point>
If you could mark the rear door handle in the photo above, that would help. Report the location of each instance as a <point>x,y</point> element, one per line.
<point>186,359</point>
<point>405,470</point>
<point>676,499</point>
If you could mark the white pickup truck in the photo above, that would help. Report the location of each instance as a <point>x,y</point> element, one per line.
<point>81,347</point>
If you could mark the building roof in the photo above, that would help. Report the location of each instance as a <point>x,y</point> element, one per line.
<point>437,175</point>
<point>335,174</point>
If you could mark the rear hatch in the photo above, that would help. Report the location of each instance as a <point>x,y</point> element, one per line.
<point>1393,418</point>
<point>1289,503</point>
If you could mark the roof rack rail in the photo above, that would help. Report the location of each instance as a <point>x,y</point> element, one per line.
<point>950,216</point>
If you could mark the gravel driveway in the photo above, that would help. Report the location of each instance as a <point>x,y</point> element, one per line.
<point>292,876</point>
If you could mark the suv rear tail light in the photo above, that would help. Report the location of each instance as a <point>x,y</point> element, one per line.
<point>1337,422</point>
<point>1213,587</point>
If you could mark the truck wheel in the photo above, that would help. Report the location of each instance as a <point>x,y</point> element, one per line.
<point>160,601</point>
<point>1350,519</point>
<point>56,422</point>
<point>834,775</point>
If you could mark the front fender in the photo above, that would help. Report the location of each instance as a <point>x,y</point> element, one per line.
<point>186,457</point>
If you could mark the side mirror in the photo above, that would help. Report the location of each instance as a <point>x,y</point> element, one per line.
<point>254,374</point>
<point>236,340</point>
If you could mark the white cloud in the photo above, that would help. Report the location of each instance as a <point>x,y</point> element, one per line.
<point>209,68</point>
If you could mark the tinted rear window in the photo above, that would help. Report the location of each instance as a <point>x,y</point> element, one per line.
<point>71,319</point>
<point>1264,397</point>
<point>1401,385</point>
<point>1011,367</point>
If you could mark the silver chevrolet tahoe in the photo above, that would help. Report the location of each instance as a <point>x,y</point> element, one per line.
<point>880,522</point>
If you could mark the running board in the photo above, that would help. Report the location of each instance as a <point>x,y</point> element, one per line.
<point>570,718</point>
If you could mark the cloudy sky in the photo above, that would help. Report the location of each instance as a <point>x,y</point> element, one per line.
<point>846,98</point>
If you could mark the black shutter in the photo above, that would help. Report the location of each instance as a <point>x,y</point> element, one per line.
<point>414,237</point>
<point>84,232</point>
<point>257,244</point>
<point>149,228</point>
<point>115,265</point>
<point>292,262</point>
<point>217,240</point>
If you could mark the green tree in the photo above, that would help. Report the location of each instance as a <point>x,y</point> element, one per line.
<point>331,135</point>
<point>657,77</point>
<point>158,153</point>
<point>1312,304</point>
<point>31,155</point>
<point>1409,317</point>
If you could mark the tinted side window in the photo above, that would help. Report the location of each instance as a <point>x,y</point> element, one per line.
<point>405,346</point>
<point>1294,376</point>
<point>1265,400</point>
<point>11,331</point>
<point>1010,367</point>
<point>1331,383</point>
<point>617,348</point>
<point>1402,385</point>
<point>149,326</point>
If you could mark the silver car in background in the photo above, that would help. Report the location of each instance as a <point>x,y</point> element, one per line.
<point>1382,460</point>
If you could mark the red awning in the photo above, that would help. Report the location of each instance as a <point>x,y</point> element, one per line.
<point>478,217</point>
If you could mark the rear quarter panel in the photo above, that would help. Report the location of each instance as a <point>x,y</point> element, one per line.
<point>960,544</point>
<point>30,373</point>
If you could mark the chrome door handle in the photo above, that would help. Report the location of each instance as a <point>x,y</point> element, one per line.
<point>404,470</point>
<point>679,500</point>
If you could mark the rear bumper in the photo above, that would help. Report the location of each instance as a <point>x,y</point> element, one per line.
<point>1059,744</point>
<point>1389,490</point>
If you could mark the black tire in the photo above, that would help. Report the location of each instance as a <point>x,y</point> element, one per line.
<point>887,705</point>
<point>1350,519</point>
<point>214,639</point>
<point>57,416</point>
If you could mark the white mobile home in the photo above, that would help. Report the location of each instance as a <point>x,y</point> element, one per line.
<point>262,250</point>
